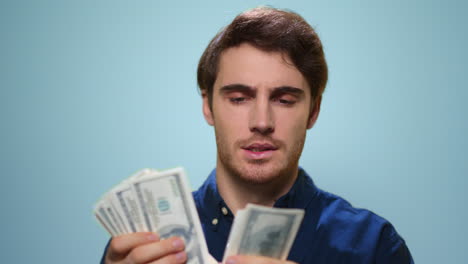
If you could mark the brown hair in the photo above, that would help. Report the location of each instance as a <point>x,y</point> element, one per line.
<point>268,29</point>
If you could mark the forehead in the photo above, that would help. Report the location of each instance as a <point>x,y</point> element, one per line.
<point>248,65</point>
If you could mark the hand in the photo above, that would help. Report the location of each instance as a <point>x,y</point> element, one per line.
<point>145,247</point>
<point>243,259</point>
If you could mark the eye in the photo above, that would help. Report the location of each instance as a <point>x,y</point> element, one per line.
<point>286,102</point>
<point>237,100</point>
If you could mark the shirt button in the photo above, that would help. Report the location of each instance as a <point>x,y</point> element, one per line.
<point>224,210</point>
<point>215,221</point>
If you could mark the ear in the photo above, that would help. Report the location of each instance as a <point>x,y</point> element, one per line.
<point>207,110</point>
<point>314,112</point>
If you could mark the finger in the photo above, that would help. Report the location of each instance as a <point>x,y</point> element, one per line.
<point>157,250</point>
<point>243,259</point>
<point>177,258</point>
<point>120,246</point>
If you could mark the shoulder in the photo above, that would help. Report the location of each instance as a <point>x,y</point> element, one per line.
<point>198,197</point>
<point>206,197</point>
<point>355,230</point>
<point>198,194</point>
<point>335,210</point>
<point>342,219</point>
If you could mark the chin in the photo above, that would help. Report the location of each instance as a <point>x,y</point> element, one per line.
<point>274,171</point>
<point>259,173</point>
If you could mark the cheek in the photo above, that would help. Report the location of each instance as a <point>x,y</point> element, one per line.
<point>292,128</point>
<point>231,117</point>
<point>230,125</point>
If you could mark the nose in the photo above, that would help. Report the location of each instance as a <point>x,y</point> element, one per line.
<point>261,117</point>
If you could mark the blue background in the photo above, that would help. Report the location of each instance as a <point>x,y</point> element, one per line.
<point>92,91</point>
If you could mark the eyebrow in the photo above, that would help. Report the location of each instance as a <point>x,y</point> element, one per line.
<point>237,87</point>
<point>288,90</point>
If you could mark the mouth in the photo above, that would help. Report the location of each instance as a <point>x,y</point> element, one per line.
<point>259,151</point>
<point>260,147</point>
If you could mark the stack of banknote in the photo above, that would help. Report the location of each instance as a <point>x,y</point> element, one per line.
<point>263,231</point>
<point>162,202</point>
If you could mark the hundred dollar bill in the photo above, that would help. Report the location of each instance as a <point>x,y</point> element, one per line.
<point>126,205</point>
<point>116,209</point>
<point>100,211</point>
<point>167,207</point>
<point>263,231</point>
<point>116,217</point>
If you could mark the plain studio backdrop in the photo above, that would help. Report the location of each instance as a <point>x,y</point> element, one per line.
<point>92,91</point>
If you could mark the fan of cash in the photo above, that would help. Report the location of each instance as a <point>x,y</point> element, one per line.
<point>162,202</point>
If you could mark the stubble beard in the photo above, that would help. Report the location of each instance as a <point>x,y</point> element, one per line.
<point>259,172</point>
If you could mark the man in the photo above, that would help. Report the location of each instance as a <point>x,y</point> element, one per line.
<point>261,80</point>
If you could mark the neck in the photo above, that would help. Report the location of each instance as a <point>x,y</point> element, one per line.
<point>238,192</point>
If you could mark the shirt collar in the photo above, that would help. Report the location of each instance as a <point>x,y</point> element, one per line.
<point>211,202</point>
<point>301,193</point>
<point>299,196</point>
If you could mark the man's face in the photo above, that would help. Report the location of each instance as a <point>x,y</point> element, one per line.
<point>261,109</point>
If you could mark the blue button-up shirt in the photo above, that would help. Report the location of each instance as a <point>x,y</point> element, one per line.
<point>332,230</point>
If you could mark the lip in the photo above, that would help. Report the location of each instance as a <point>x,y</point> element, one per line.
<point>259,151</point>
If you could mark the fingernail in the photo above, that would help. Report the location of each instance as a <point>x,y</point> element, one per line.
<point>152,237</point>
<point>181,256</point>
<point>231,260</point>
<point>178,244</point>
